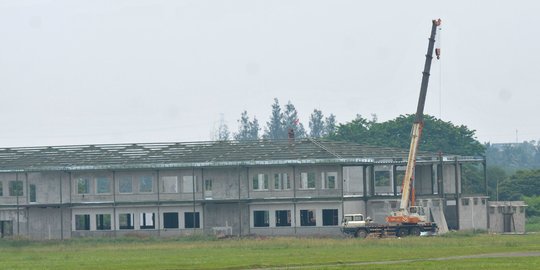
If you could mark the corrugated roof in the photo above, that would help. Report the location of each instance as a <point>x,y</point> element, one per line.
<point>222,153</point>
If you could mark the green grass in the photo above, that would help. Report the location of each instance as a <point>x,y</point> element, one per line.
<point>533,224</point>
<point>206,252</point>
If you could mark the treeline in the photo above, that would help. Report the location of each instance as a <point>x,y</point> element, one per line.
<point>282,120</point>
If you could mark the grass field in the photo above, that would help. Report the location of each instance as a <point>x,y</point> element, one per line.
<point>317,253</point>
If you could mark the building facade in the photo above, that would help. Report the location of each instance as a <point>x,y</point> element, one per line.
<point>301,187</point>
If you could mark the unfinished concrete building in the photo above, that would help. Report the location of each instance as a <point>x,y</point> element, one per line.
<point>297,187</point>
<point>507,216</point>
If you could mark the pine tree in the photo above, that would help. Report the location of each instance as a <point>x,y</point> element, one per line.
<point>316,124</point>
<point>291,121</point>
<point>274,128</point>
<point>330,125</point>
<point>247,130</point>
<point>254,129</point>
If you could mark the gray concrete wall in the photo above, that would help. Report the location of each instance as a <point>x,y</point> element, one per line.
<point>473,213</point>
<point>353,180</point>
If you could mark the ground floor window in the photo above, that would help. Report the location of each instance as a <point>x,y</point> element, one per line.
<point>170,220</point>
<point>283,218</point>
<point>308,218</point>
<point>103,222</point>
<point>191,220</point>
<point>147,221</point>
<point>125,221</point>
<point>82,222</point>
<point>261,219</point>
<point>330,217</point>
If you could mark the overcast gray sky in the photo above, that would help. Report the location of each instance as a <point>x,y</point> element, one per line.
<point>85,72</point>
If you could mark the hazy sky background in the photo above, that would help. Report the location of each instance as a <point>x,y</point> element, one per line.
<point>85,72</point>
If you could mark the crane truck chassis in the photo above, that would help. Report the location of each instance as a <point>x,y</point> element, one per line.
<point>356,226</point>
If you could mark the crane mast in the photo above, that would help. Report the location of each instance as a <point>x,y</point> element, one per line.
<point>402,215</point>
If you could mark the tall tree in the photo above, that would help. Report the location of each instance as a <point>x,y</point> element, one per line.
<point>274,128</point>
<point>247,130</point>
<point>254,129</point>
<point>291,121</point>
<point>316,124</point>
<point>329,125</point>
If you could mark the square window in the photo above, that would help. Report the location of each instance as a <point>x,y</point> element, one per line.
<point>382,178</point>
<point>465,202</point>
<point>170,220</point>
<point>307,180</point>
<point>308,218</point>
<point>283,218</point>
<point>147,221</point>
<point>187,184</point>
<point>330,217</point>
<point>103,185</point>
<point>83,186</point>
<point>82,222</point>
<point>103,222</point>
<point>191,220</point>
<point>145,184</point>
<point>260,182</point>
<point>125,184</point>
<point>15,188</point>
<point>261,219</point>
<point>126,221</point>
<point>169,184</point>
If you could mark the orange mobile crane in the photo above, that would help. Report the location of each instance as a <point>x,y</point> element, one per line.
<point>414,214</point>
<point>407,220</point>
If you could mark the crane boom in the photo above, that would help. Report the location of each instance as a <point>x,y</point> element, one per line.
<point>418,125</point>
<point>403,215</point>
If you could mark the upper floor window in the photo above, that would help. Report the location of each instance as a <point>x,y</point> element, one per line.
<point>260,181</point>
<point>329,180</point>
<point>15,188</point>
<point>83,186</point>
<point>145,184</point>
<point>33,193</point>
<point>125,184</point>
<point>307,180</point>
<point>1,188</point>
<point>188,182</point>
<point>103,185</point>
<point>208,185</point>
<point>169,184</point>
<point>281,181</point>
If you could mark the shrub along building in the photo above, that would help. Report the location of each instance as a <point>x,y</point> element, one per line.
<point>256,187</point>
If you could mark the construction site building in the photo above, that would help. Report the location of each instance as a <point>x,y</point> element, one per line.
<point>289,187</point>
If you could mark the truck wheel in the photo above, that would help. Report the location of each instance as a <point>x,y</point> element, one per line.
<point>402,232</point>
<point>361,234</point>
<point>415,231</point>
